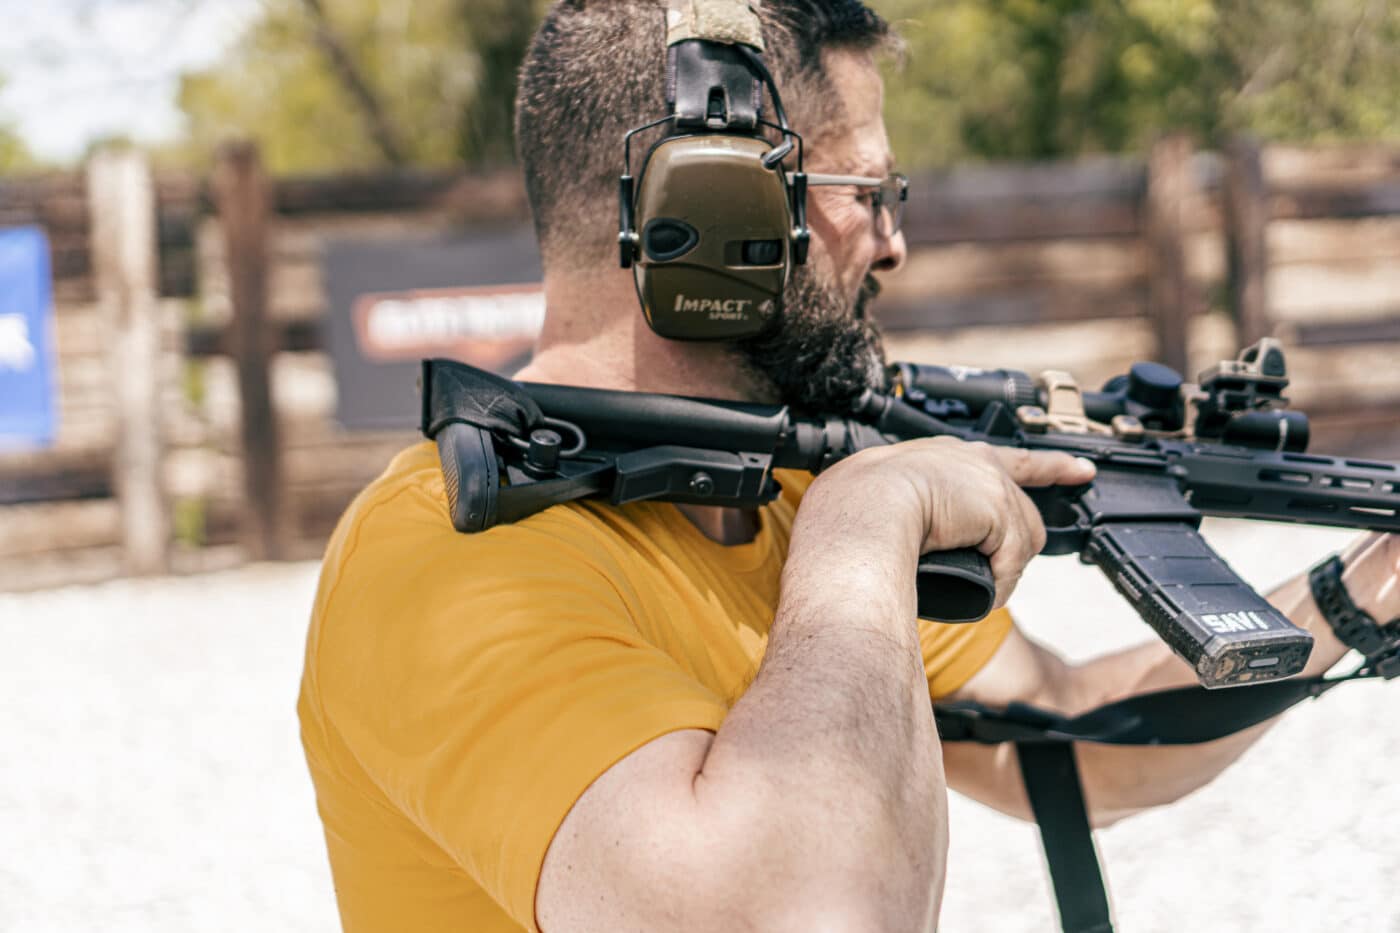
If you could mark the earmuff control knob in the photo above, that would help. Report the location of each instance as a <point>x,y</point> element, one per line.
<point>763,252</point>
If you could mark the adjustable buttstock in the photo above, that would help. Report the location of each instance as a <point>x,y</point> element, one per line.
<point>470,475</point>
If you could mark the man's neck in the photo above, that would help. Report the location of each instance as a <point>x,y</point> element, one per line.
<point>595,336</point>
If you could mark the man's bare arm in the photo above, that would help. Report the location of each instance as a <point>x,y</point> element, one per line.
<point>1122,780</point>
<point>820,803</point>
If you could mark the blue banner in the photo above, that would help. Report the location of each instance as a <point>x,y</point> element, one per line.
<point>26,339</point>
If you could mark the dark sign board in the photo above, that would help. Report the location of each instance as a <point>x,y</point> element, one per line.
<point>26,339</point>
<point>475,298</point>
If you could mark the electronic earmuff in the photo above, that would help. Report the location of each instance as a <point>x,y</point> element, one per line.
<point>715,223</point>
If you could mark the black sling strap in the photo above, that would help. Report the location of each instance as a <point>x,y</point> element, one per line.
<point>1045,749</point>
<point>1057,800</point>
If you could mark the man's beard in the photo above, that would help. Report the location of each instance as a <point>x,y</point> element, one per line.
<point>824,351</point>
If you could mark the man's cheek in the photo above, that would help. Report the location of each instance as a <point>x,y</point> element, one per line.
<point>840,294</point>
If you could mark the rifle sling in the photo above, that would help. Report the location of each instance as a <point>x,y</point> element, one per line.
<point>1052,784</point>
<point>1045,750</point>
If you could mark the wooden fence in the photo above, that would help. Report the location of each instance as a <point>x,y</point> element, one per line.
<point>196,413</point>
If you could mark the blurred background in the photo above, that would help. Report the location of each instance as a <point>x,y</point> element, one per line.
<point>240,223</point>
<point>229,229</point>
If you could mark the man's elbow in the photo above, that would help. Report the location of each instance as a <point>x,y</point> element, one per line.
<point>835,916</point>
<point>1116,788</point>
<point>1100,817</point>
<point>704,882</point>
<point>827,885</point>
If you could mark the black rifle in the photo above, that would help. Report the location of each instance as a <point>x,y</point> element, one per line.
<point>1167,453</point>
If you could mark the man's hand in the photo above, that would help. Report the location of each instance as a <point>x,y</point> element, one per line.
<point>934,494</point>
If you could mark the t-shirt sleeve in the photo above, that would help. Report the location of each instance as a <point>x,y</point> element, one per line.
<point>953,653</point>
<point>484,682</point>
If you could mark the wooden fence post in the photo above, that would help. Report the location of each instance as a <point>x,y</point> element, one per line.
<point>1171,298</point>
<point>1246,238</point>
<point>122,205</point>
<point>243,199</point>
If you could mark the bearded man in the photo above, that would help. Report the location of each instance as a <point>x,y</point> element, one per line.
<point>661,717</point>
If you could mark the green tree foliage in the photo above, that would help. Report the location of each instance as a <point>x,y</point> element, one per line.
<point>278,86</point>
<point>442,72</point>
<point>1029,79</point>
<point>14,156</point>
<point>500,31</point>
<point>1318,70</point>
<point>999,79</point>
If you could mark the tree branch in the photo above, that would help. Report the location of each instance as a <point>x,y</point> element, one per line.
<point>501,33</point>
<point>381,128</point>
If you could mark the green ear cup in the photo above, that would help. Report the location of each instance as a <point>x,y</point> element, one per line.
<point>715,236</point>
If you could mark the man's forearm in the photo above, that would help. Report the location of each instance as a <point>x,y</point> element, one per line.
<point>836,733</point>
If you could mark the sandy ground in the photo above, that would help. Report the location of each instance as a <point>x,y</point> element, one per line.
<point>152,778</point>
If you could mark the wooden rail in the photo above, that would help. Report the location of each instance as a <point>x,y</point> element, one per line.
<point>244,201</point>
<point>1142,246</point>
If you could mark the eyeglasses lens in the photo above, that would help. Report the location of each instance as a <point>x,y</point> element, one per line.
<point>894,193</point>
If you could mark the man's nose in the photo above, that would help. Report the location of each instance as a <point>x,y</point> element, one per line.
<point>890,252</point>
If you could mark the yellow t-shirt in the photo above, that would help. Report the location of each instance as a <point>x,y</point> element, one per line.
<point>462,691</point>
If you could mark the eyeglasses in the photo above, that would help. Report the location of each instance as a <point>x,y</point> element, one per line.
<point>888,198</point>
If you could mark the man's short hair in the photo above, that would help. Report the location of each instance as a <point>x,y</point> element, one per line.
<point>596,69</point>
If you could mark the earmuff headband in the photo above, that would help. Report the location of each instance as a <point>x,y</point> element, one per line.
<point>711,83</point>
<point>731,22</point>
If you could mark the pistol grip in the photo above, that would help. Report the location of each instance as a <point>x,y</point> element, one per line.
<point>955,586</point>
